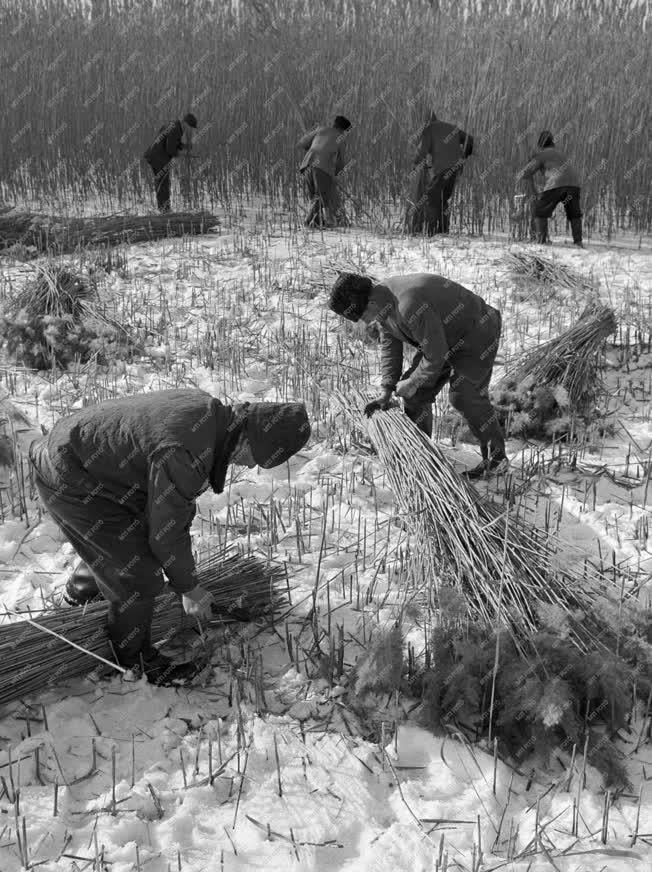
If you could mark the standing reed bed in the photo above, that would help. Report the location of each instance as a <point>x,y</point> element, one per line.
<point>383,72</point>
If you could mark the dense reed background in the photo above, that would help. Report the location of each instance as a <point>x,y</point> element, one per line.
<point>86,86</point>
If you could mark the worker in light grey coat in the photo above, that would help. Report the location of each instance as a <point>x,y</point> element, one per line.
<point>561,184</point>
<point>456,336</point>
<point>323,161</point>
<point>120,479</point>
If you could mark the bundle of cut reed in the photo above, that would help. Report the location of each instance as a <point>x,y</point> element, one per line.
<point>547,388</point>
<point>59,234</point>
<point>56,319</point>
<point>534,267</point>
<point>33,660</point>
<point>505,569</point>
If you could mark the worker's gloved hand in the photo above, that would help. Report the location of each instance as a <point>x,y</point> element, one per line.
<point>381,403</point>
<point>198,603</point>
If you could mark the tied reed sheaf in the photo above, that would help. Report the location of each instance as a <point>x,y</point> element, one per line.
<point>32,660</point>
<point>505,570</point>
<point>46,233</point>
<point>545,389</point>
<point>569,361</point>
<point>57,319</point>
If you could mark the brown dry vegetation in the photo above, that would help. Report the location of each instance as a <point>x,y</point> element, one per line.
<point>87,85</point>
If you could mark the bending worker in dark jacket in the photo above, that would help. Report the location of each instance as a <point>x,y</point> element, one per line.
<point>456,334</point>
<point>120,479</point>
<point>446,147</point>
<point>168,143</point>
<point>324,160</point>
<point>561,184</point>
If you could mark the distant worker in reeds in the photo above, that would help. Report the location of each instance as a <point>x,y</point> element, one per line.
<point>456,334</point>
<point>442,149</point>
<point>324,160</point>
<point>561,184</point>
<point>120,480</point>
<point>171,139</point>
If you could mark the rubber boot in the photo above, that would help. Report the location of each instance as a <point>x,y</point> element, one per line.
<point>541,226</point>
<point>81,587</point>
<point>576,230</point>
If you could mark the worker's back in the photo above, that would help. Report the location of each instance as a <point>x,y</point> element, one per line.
<point>557,170</point>
<point>459,309</point>
<point>442,141</point>
<point>324,149</point>
<point>113,442</point>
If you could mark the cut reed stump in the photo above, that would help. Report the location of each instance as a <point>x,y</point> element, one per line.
<point>47,233</point>
<point>32,660</point>
<point>547,389</point>
<point>505,570</point>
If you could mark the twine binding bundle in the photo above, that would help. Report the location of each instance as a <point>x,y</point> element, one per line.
<point>32,660</point>
<point>57,234</point>
<point>503,568</point>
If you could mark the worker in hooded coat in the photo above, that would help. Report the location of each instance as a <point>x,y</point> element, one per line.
<point>456,336</point>
<point>441,151</point>
<point>323,161</point>
<point>561,184</point>
<point>120,480</point>
<point>172,138</point>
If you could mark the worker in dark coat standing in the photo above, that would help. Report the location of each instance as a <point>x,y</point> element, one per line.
<point>456,334</point>
<point>441,151</point>
<point>170,140</point>
<point>561,184</point>
<point>323,161</point>
<point>120,480</point>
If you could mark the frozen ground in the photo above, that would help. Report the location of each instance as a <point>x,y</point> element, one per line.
<point>298,779</point>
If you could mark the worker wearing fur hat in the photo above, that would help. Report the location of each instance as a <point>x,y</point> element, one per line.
<point>456,334</point>
<point>172,138</point>
<point>120,480</point>
<point>561,184</point>
<point>324,160</point>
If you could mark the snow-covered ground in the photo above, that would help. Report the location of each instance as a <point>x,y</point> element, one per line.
<point>299,779</point>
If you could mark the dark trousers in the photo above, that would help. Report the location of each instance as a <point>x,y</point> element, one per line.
<point>547,201</point>
<point>113,542</point>
<point>162,185</point>
<point>325,208</point>
<point>439,193</point>
<point>468,373</point>
<point>429,201</point>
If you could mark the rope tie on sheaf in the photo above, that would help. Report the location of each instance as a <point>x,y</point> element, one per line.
<point>505,569</point>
